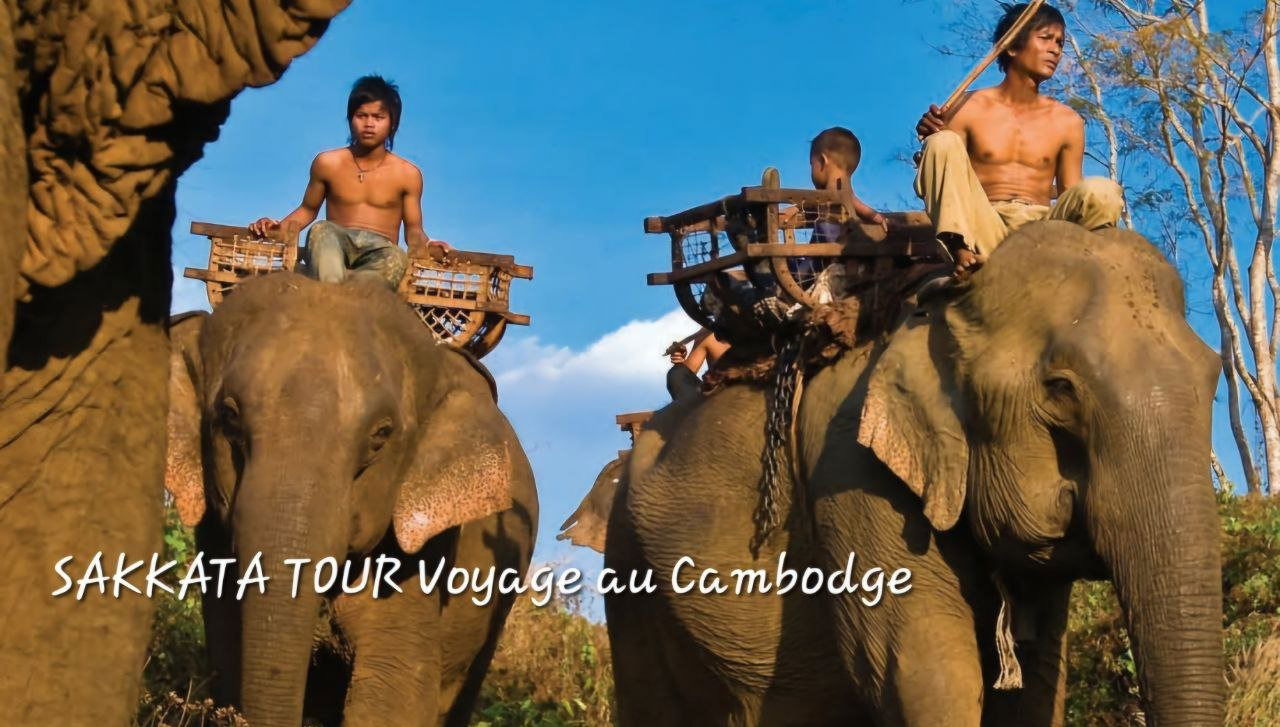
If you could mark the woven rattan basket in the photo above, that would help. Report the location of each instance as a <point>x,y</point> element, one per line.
<point>235,253</point>
<point>463,297</point>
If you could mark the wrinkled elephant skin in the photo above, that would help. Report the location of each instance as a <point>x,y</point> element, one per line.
<point>319,420</point>
<point>1047,421</point>
<point>102,105</point>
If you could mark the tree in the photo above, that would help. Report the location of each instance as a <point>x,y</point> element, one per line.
<point>1189,117</point>
<point>1186,116</point>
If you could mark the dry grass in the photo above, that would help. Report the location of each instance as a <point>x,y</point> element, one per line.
<point>173,710</point>
<point>1254,680</point>
<point>551,669</point>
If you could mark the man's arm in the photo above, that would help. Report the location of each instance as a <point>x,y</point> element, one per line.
<point>414,236</point>
<point>306,212</point>
<point>1071,156</point>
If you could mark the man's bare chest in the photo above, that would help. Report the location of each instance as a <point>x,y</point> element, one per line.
<point>999,139</point>
<point>372,191</point>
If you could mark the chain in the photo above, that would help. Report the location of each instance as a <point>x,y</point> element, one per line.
<point>778,416</point>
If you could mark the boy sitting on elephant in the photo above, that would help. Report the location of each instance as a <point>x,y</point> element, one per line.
<point>368,193</point>
<point>833,156</point>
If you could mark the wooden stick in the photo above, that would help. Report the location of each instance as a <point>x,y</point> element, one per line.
<point>1001,46</point>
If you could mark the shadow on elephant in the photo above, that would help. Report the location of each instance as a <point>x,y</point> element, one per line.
<point>1044,422</point>
<point>313,420</point>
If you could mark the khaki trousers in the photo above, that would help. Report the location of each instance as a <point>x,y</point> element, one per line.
<point>955,201</point>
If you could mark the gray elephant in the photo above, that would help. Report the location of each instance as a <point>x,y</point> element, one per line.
<point>313,420</point>
<point>588,524</point>
<point>1047,421</point>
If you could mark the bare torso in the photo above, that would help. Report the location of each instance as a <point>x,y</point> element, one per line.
<point>1018,150</point>
<point>375,204</point>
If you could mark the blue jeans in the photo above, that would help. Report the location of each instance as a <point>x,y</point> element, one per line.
<point>335,253</point>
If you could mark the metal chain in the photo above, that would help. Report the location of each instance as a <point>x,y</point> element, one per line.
<point>778,412</point>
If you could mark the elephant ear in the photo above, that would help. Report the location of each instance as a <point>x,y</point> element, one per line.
<point>589,524</point>
<point>462,467</point>
<point>184,471</point>
<point>909,421</point>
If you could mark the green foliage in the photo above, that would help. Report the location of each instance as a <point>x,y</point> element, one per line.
<point>1102,683</point>
<point>177,675</point>
<point>551,669</point>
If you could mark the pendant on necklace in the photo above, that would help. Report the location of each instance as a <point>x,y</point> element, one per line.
<point>360,176</point>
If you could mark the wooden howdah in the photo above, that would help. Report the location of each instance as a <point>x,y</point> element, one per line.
<point>461,297</point>
<point>727,254</point>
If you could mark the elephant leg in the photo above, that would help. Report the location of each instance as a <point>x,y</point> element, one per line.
<point>647,690</point>
<point>935,675</point>
<point>221,619</point>
<point>395,675</point>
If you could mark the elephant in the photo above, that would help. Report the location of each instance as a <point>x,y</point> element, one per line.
<point>322,420</point>
<point>103,105</point>
<point>1044,421</point>
<point>587,526</point>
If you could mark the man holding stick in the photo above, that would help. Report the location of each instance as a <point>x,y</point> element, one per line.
<point>995,160</point>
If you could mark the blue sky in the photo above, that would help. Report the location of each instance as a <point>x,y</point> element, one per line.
<point>550,130</point>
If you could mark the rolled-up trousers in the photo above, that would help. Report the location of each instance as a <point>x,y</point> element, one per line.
<point>955,201</point>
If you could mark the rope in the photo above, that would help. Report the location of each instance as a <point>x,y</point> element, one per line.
<point>1010,670</point>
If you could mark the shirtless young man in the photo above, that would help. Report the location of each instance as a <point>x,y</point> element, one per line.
<point>367,191</point>
<point>1007,151</point>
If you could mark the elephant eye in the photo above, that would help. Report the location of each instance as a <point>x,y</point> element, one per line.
<point>229,419</point>
<point>1060,387</point>
<point>381,433</point>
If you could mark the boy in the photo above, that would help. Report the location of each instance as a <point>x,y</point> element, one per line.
<point>833,156</point>
<point>1005,152</point>
<point>367,191</point>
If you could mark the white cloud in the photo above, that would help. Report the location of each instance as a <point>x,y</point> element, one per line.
<point>630,354</point>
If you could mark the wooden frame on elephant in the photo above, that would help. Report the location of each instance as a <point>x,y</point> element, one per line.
<point>236,253</point>
<point>725,253</point>
<point>461,297</point>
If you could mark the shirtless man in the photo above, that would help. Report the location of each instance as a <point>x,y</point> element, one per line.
<point>368,192</point>
<point>1007,151</point>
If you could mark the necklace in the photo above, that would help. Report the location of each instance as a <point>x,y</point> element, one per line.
<point>361,172</point>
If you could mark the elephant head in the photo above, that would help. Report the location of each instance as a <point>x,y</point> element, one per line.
<point>309,419</point>
<point>1060,402</point>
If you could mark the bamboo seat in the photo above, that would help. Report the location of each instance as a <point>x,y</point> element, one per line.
<point>235,253</point>
<point>462,298</point>
<point>730,253</point>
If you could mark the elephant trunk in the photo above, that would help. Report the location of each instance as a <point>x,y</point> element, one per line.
<point>1160,537</point>
<point>276,516</point>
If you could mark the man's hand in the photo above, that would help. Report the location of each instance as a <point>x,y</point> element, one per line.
<point>264,226</point>
<point>422,247</point>
<point>931,122</point>
<point>676,352</point>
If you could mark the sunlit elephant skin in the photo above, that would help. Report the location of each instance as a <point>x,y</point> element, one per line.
<point>103,104</point>
<point>313,420</point>
<point>1048,421</point>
